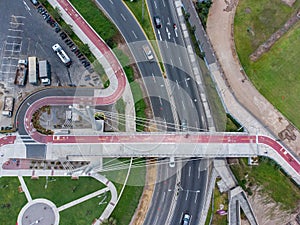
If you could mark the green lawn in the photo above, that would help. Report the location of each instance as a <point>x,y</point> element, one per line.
<point>61,190</point>
<point>96,19</point>
<point>219,199</point>
<point>274,183</point>
<point>131,195</point>
<point>11,201</point>
<point>85,212</point>
<point>275,74</point>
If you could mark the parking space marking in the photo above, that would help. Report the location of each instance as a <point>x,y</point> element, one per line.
<point>17,37</point>
<point>15,30</point>
<point>13,23</point>
<point>13,43</point>
<point>23,17</point>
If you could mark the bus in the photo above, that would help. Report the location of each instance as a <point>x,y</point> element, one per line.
<point>62,54</point>
<point>32,70</point>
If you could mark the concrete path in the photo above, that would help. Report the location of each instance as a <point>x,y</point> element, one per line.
<point>25,189</point>
<point>84,198</point>
<point>114,197</point>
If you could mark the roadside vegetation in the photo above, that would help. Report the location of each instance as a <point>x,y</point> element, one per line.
<point>275,74</point>
<point>108,32</point>
<point>136,7</point>
<point>128,203</point>
<point>202,8</point>
<point>220,200</point>
<point>36,120</point>
<point>55,13</point>
<point>273,181</point>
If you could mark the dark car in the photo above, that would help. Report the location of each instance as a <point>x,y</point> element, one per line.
<point>157,21</point>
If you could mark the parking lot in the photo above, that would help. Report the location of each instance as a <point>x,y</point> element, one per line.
<point>23,33</point>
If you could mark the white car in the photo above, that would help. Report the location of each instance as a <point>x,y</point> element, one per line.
<point>186,219</point>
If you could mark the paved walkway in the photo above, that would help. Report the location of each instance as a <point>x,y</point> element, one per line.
<point>25,189</point>
<point>219,29</point>
<point>84,198</point>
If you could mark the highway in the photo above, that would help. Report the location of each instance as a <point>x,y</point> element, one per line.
<point>150,71</point>
<point>189,107</point>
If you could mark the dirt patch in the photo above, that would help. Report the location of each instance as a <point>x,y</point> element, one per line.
<point>289,2</point>
<point>266,46</point>
<point>141,211</point>
<point>268,212</point>
<point>248,10</point>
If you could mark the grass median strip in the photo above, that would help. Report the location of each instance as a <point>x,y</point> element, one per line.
<point>144,20</point>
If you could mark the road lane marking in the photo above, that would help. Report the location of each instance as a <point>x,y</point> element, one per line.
<point>159,35</point>
<point>189,171</point>
<point>187,195</point>
<point>155,4</point>
<point>180,61</point>
<point>164,3</point>
<point>196,197</point>
<point>123,17</point>
<point>134,34</point>
<point>183,108</point>
<point>111,2</point>
<point>171,62</point>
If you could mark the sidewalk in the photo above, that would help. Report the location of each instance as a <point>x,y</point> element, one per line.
<point>119,85</point>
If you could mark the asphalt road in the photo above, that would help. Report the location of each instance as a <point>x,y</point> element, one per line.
<point>150,71</point>
<point>192,189</point>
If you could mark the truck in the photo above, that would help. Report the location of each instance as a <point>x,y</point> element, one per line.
<point>62,54</point>
<point>44,72</point>
<point>8,106</point>
<point>32,70</point>
<point>21,73</point>
<point>148,52</point>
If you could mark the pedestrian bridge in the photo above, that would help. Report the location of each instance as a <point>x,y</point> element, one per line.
<point>208,145</point>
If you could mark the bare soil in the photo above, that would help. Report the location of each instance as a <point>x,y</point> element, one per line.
<point>268,212</point>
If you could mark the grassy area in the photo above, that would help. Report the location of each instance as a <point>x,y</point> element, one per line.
<point>218,200</point>
<point>85,212</point>
<point>11,201</point>
<point>215,103</point>
<point>140,105</point>
<point>61,190</point>
<point>120,106</point>
<point>275,74</point>
<point>274,183</point>
<point>96,19</point>
<point>232,125</point>
<point>101,72</point>
<point>131,195</point>
<point>145,22</point>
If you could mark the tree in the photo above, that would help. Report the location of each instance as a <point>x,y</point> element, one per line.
<point>85,49</point>
<point>56,14</point>
<point>67,28</point>
<point>110,221</point>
